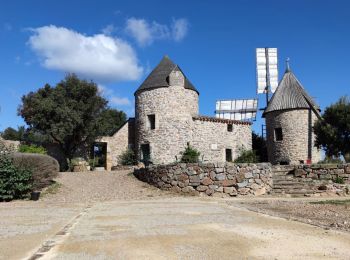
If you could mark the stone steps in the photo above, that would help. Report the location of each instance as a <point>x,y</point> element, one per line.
<point>285,183</point>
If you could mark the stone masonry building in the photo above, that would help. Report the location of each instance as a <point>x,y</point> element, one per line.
<point>290,116</point>
<point>167,119</point>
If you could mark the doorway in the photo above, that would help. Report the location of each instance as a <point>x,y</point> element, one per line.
<point>145,154</point>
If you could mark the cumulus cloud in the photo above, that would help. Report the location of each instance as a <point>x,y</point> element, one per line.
<point>113,99</point>
<point>145,33</point>
<point>99,57</point>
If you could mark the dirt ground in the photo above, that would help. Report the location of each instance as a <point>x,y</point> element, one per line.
<point>328,213</point>
<point>112,215</point>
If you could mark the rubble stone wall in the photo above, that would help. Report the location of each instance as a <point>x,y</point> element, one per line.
<point>212,139</point>
<point>298,137</point>
<point>220,179</point>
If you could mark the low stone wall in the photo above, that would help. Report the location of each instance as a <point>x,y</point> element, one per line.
<point>323,172</point>
<point>210,179</point>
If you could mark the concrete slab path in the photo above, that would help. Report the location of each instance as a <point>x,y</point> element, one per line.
<point>191,228</point>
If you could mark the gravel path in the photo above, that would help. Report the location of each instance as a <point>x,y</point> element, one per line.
<point>89,187</point>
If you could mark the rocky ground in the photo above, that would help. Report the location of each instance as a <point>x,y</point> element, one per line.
<point>328,213</point>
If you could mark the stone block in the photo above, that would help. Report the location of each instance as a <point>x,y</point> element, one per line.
<point>243,191</point>
<point>228,183</point>
<point>229,189</point>
<point>220,177</point>
<point>202,188</point>
<point>242,184</point>
<point>194,179</point>
<point>248,175</point>
<point>183,177</point>
<point>219,170</point>
<point>254,186</point>
<point>259,192</point>
<point>174,183</point>
<point>213,187</point>
<point>212,175</point>
<point>209,192</point>
<point>220,189</point>
<point>207,181</point>
<point>240,177</point>
<point>258,181</point>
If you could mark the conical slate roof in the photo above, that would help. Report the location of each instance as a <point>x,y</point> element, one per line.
<point>158,77</point>
<point>290,94</point>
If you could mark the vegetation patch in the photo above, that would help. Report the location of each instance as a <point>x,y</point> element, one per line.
<point>53,188</point>
<point>332,202</point>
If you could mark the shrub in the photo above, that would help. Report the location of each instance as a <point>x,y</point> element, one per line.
<point>331,160</point>
<point>44,168</point>
<point>15,181</point>
<point>339,180</point>
<point>128,158</point>
<point>23,148</point>
<point>247,156</point>
<point>190,155</point>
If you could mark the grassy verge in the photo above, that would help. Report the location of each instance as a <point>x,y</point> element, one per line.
<point>52,189</point>
<point>332,202</point>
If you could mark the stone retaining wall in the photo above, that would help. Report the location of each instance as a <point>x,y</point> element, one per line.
<point>323,172</point>
<point>210,179</point>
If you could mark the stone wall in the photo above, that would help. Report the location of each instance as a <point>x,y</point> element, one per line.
<point>210,179</point>
<point>323,172</point>
<point>298,137</point>
<point>119,143</point>
<point>212,139</point>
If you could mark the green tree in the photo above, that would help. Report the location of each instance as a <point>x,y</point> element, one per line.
<point>333,129</point>
<point>69,113</point>
<point>13,134</point>
<point>110,120</point>
<point>260,148</point>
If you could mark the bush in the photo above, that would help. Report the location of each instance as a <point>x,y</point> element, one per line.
<point>44,168</point>
<point>247,156</point>
<point>339,180</point>
<point>190,155</point>
<point>23,148</point>
<point>15,181</point>
<point>331,160</point>
<point>128,158</point>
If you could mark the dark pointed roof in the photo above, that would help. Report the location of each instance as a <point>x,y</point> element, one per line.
<point>290,94</point>
<point>158,77</point>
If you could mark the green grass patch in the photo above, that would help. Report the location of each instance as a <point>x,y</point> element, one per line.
<point>332,202</point>
<point>52,189</point>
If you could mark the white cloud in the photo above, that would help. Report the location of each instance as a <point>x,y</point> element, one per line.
<point>97,57</point>
<point>145,33</point>
<point>113,99</point>
<point>119,101</point>
<point>109,29</point>
<point>179,29</point>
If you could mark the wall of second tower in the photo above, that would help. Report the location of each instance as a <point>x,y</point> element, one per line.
<point>164,119</point>
<point>290,138</point>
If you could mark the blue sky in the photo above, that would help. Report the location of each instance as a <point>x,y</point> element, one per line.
<point>116,43</point>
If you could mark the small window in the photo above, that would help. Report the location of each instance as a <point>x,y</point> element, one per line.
<point>278,134</point>
<point>229,127</point>
<point>152,121</point>
<point>228,155</point>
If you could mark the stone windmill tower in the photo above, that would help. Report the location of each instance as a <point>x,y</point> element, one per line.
<point>164,106</point>
<point>290,116</point>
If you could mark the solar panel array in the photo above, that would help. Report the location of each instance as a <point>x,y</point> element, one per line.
<point>237,109</point>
